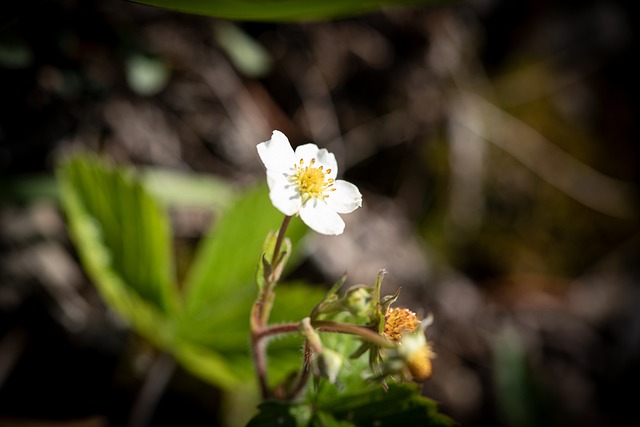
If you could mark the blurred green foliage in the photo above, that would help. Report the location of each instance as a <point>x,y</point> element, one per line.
<point>123,236</point>
<point>280,10</point>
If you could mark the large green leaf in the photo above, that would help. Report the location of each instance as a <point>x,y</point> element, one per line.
<point>123,238</point>
<point>278,10</point>
<point>220,286</point>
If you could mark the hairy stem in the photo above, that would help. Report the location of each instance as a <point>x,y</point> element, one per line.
<point>281,233</point>
<point>262,310</point>
<point>303,377</point>
<point>258,349</point>
<point>328,326</point>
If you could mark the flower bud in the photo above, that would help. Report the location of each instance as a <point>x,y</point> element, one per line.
<point>359,301</point>
<point>417,354</point>
<point>329,364</point>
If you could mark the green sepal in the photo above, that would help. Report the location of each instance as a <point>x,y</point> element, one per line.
<point>265,268</point>
<point>330,304</point>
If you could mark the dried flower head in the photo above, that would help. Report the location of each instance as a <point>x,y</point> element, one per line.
<point>399,321</point>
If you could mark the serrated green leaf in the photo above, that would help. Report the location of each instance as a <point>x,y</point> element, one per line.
<point>401,404</point>
<point>123,238</point>
<point>279,10</point>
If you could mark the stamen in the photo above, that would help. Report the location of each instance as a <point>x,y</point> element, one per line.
<point>312,182</point>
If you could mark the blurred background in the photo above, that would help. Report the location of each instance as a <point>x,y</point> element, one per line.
<point>494,142</point>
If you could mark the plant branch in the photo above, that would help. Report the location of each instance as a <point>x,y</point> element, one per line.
<point>328,326</point>
<point>347,328</point>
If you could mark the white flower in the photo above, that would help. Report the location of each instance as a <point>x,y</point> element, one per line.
<point>304,182</point>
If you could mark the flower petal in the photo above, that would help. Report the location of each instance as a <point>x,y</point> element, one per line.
<point>283,194</point>
<point>319,217</point>
<point>323,158</point>
<point>307,152</point>
<point>345,199</point>
<point>328,161</point>
<point>277,154</point>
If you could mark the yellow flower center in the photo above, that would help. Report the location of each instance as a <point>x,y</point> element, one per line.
<point>312,182</point>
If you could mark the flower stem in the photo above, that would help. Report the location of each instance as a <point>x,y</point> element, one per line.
<point>268,295</point>
<point>347,328</point>
<point>281,233</point>
<point>262,310</point>
<point>303,377</point>
<point>258,351</point>
<point>363,332</point>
